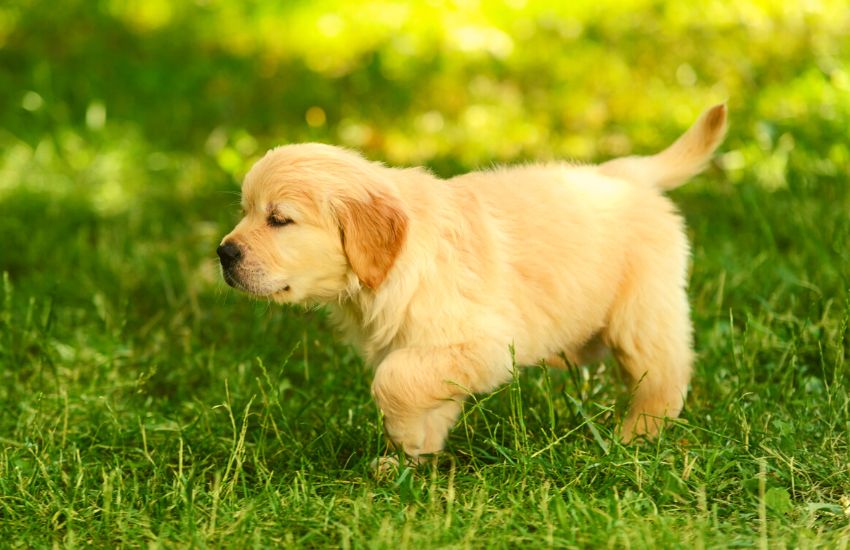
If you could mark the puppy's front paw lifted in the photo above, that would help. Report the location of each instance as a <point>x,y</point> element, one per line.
<point>389,467</point>
<point>385,468</point>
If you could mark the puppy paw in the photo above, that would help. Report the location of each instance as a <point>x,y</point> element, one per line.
<point>385,467</point>
<point>389,467</point>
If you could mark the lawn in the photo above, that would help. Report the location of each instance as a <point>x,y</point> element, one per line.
<point>145,404</point>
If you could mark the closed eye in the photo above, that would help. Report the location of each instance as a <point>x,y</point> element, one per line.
<point>275,220</point>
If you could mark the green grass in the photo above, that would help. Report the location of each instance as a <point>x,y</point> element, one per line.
<point>145,404</point>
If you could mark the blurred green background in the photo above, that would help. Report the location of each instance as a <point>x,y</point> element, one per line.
<point>113,106</point>
<point>144,115</point>
<point>126,126</point>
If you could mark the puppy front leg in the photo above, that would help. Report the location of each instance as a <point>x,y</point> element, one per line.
<point>420,391</point>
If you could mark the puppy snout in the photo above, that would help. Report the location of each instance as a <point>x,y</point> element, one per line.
<point>229,254</point>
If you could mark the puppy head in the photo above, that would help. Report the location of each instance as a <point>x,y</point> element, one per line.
<point>318,222</point>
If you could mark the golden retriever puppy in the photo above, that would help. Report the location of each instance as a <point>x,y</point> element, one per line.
<point>435,280</point>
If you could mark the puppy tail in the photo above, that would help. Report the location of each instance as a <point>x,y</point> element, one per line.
<point>673,166</point>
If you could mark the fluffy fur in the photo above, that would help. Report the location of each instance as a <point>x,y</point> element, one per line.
<point>434,280</point>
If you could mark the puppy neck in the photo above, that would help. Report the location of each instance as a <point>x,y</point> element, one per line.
<point>373,320</point>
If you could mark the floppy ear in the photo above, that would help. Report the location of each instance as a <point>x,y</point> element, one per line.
<point>373,233</point>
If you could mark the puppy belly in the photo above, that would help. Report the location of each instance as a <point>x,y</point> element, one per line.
<point>593,351</point>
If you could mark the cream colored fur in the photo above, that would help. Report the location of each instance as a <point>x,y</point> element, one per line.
<point>434,280</point>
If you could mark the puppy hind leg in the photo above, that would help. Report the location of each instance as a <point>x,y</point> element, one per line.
<point>651,335</point>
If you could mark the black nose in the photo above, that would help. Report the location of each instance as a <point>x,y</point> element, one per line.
<point>229,254</point>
